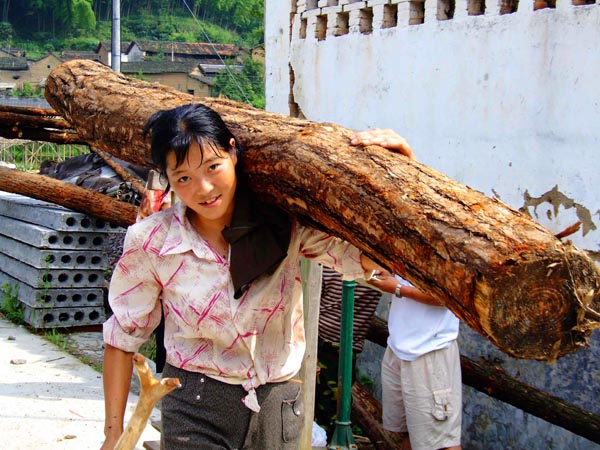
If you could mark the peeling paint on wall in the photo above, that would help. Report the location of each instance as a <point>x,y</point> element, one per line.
<point>557,199</point>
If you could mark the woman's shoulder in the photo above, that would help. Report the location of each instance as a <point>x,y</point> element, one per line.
<point>155,224</point>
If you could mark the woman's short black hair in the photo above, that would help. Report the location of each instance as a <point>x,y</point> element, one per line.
<point>174,130</point>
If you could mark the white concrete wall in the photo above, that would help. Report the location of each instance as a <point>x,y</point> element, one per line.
<point>508,105</point>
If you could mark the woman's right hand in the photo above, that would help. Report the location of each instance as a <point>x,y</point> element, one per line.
<point>117,371</point>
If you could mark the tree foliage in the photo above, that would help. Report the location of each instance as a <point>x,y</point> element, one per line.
<point>39,26</point>
<point>6,33</point>
<point>148,19</point>
<point>247,86</point>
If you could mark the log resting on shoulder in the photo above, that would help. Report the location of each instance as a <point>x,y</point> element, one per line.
<point>498,270</point>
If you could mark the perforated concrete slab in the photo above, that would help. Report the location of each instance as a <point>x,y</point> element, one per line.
<point>51,278</point>
<point>53,258</point>
<point>63,317</point>
<point>51,298</point>
<point>43,237</point>
<point>49,399</point>
<point>49,214</point>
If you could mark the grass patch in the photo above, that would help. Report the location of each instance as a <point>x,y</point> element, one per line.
<point>10,305</point>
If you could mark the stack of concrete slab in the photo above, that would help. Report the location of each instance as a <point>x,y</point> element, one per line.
<point>56,261</point>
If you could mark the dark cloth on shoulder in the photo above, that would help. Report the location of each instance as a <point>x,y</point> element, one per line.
<point>259,237</point>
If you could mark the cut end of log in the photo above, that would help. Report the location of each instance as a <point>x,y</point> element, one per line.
<point>548,311</point>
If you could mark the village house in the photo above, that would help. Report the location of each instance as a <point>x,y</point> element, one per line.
<point>16,70</point>
<point>183,76</point>
<point>189,67</point>
<point>12,70</point>
<point>198,52</point>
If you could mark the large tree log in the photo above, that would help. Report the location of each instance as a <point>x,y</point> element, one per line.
<point>492,380</point>
<point>68,195</point>
<point>367,413</point>
<point>498,270</point>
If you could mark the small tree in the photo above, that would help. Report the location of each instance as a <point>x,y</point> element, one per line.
<point>247,86</point>
<point>6,34</point>
<point>27,91</point>
<point>84,20</point>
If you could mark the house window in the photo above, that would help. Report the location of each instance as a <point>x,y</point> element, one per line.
<point>190,91</point>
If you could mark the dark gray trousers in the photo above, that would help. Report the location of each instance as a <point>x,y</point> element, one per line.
<point>206,414</point>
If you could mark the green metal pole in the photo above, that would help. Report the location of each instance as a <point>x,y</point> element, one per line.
<point>342,436</point>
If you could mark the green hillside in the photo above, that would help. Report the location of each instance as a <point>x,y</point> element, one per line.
<point>42,26</point>
<point>39,26</point>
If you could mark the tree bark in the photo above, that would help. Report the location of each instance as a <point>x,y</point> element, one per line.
<point>366,413</point>
<point>492,380</point>
<point>36,124</point>
<point>68,195</point>
<point>502,273</point>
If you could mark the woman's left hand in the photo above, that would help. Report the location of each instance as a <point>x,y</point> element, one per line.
<point>386,138</point>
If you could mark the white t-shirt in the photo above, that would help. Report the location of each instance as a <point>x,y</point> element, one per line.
<point>417,328</point>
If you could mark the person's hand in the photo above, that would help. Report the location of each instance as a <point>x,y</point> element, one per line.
<point>383,280</point>
<point>386,138</point>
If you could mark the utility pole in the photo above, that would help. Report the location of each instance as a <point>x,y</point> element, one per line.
<point>115,61</point>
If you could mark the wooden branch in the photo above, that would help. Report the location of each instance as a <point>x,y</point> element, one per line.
<point>502,273</point>
<point>68,195</point>
<point>367,413</point>
<point>36,134</point>
<point>36,124</point>
<point>569,230</point>
<point>30,111</point>
<point>493,381</point>
<point>151,391</point>
<point>136,183</point>
<point>496,383</point>
<point>34,121</point>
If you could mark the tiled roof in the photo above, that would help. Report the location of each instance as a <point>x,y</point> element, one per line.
<point>107,46</point>
<point>17,52</point>
<point>13,63</point>
<point>156,67</point>
<point>188,48</point>
<point>215,69</point>
<point>68,55</point>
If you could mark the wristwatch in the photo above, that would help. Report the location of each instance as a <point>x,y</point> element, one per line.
<point>398,291</point>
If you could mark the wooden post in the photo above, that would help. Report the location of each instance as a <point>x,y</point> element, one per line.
<point>311,282</point>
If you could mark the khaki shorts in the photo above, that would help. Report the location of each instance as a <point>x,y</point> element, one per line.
<point>424,397</point>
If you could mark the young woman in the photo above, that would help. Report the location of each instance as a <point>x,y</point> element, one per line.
<point>224,270</point>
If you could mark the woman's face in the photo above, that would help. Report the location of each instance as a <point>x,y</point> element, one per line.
<point>206,185</point>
